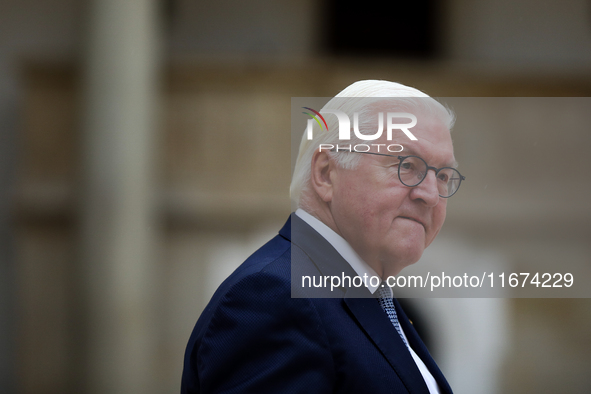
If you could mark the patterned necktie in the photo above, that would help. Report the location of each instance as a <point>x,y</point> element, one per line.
<point>385,300</point>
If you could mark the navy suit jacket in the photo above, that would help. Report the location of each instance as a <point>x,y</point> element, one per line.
<point>254,337</point>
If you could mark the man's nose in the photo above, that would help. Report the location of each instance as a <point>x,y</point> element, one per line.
<point>427,190</point>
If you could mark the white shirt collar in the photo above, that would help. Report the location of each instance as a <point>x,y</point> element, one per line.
<point>360,267</point>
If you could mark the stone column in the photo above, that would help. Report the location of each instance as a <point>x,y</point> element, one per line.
<point>8,132</point>
<point>117,205</point>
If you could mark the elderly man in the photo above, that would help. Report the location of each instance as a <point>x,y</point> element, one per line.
<point>366,209</point>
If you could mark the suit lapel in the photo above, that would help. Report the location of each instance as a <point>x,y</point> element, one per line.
<point>421,350</point>
<point>374,322</point>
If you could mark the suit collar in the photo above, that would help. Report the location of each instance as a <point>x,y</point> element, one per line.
<point>285,231</point>
<point>361,268</point>
<point>319,250</point>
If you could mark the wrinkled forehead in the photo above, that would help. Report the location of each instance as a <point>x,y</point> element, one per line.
<point>433,142</point>
<point>433,138</point>
<point>433,121</point>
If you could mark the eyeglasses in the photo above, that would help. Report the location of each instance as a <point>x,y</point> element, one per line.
<point>412,170</point>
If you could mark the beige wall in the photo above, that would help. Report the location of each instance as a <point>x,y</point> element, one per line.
<point>247,59</point>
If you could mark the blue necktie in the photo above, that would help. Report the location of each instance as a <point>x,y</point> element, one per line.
<point>385,300</point>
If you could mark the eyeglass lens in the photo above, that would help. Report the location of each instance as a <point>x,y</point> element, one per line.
<point>412,170</point>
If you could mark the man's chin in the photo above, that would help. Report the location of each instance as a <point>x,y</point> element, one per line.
<point>400,261</point>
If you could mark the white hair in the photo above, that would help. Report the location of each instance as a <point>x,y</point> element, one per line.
<point>354,98</point>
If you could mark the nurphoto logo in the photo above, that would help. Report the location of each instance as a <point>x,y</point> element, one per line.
<point>345,129</point>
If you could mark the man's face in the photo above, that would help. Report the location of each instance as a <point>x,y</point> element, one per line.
<point>389,224</point>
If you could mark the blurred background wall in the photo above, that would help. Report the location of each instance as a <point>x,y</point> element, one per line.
<point>145,153</point>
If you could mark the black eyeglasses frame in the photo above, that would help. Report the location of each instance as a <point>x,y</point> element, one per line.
<point>402,158</point>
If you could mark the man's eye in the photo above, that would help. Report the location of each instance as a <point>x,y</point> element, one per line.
<point>406,166</point>
<point>443,177</point>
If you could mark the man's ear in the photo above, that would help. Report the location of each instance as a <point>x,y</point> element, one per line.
<point>322,173</point>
